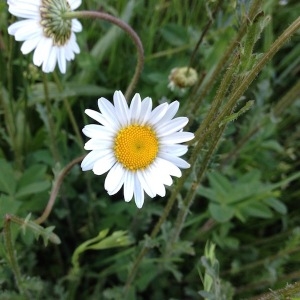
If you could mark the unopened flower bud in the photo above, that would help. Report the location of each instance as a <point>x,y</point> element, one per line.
<point>182,78</point>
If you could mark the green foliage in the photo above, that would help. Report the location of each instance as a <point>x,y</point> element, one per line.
<point>241,192</point>
<point>245,197</point>
<point>100,242</point>
<point>214,288</point>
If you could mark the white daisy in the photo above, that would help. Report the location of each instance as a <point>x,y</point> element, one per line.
<point>45,30</point>
<point>140,147</point>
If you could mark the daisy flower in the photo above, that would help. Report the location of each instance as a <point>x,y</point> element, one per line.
<point>140,147</point>
<point>45,30</point>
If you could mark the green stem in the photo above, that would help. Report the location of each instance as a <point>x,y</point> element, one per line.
<point>239,91</point>
<point>69,111</point>
<point>287,99</point>
<point>12,256</point>
<point>217,101</point>
<point>182,214</point>
<point>135,38</point>
<point>205,30</point>
<point>51,128</point>
<point>55,189</point>
<point>224,60</point>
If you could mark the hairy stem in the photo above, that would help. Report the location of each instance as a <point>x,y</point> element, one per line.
<point>12,256</point>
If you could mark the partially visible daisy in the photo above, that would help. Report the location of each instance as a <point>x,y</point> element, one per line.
<point>140,147</point>
<point>45,30</point>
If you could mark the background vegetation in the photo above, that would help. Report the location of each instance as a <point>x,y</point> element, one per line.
<point>234,231</point>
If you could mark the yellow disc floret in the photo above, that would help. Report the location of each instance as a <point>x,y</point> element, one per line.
<point>136,146</point>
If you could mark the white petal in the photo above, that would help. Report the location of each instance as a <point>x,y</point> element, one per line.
<point>146,183</point>
<point>38,55</point>
<point>167,166</point>
<point>26,11</point>
<point>179,162</point>
<point>155,181</point>
<point>114,179</point>
<point>21,2</point>
<point>171,126</point>
<point>61,59</point>
<point>146,108</point>
<point>109,112</point>
<point>97,131</point>
<point>128,185</point>
<point>174,149</point>
<point>29,31</point>
<point>135,108</point>
<point>29,45</point>
<point>104,164</point>
<point>100,118</point>
<point>138,192</point>
<point>121,108</point>
<point>170,113</point>
<point>99,144</point>
<point>74,48</point>
<point>13,28</point>
<point>158,113</point>
<point>50,61</point>
<point>178,137</point>
<point>74,4</point>
<point>162,174</point>
<point>89,161</point>
<point>76,25</point>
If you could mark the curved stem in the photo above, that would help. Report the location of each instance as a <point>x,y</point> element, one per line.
<point>55,189</point>
<point>135,38</point>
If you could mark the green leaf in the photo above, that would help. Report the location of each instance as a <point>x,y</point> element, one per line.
<point>32,174</point>
<point>259,209</point>
<point>221,213</point>
<point>37,94</point>
<point>276,205</point>
<point>174,34</point>
<point>33,188</point>
<point>8,206</point>
<point>221,185</point>
<point>7,178</point>
<point>100,242</point>
<point>208,193</point>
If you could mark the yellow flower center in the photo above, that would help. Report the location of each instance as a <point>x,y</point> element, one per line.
<point>136,146</point>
